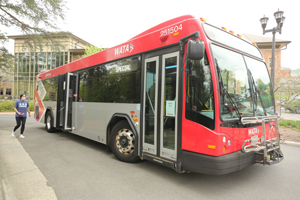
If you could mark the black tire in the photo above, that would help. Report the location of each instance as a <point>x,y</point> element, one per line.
<point>49,123</point>
<point>122,142</point>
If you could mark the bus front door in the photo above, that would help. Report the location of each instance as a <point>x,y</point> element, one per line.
<point>67,94</point>
<point>160,105</point>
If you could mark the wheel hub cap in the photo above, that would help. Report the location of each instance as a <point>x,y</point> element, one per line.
<point>125,141</point>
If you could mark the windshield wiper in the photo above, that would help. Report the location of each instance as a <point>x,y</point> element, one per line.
<point>222,87</point>
<point>256,93</point>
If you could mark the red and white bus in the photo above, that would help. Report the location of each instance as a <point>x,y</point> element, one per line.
<point>184,94</point>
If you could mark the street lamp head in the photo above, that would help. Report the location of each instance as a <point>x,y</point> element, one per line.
<point>264,22</point>
<point>282,21</point>
<point>278,16</point>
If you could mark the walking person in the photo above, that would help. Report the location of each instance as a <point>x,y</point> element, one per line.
<point>21,107</point>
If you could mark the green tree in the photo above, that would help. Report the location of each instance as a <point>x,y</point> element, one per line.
<point>35,18</point>
<point>286,87</point>
<point>89,50</point>
<point>91,81</point>
<point>6,66</point>
<point>6,61</point>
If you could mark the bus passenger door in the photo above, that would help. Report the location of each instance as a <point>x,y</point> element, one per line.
<point>60,101</point>
<point>67,94</point>
<point>71,96</point>
<point>160,105</point>
<point>169,105</point>
<point>150,105</point>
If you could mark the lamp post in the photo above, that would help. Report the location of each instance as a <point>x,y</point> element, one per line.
<point>279,19</point>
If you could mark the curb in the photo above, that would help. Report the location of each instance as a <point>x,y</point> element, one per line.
<point>7,113</point>
<point>2,190</point>
<point>12,113</point>
<point>291,143</point>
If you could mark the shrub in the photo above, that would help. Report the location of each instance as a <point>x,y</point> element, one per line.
<point>31,105</point>
<point>8,106</point>
<point>290,124</point>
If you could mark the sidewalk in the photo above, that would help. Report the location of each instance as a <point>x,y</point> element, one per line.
<point>20,177</point>
<point>290,116</point>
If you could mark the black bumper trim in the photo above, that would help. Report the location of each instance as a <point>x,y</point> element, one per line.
<point>199,163</point>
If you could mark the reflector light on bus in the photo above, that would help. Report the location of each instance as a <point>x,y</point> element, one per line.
<point>211,146</point>
<point>231,32</point>
<point>225,29</point>
<point>163,38</point>
<point>175,34</point>
<point>135,119</point>
<point>202,19</point>
<point>224,149</point>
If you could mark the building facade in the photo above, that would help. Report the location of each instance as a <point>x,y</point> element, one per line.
<point>28,64</point>
<point>6,85</point>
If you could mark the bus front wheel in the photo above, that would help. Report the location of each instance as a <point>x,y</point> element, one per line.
<point>122,142</point>
<point>49,123</point>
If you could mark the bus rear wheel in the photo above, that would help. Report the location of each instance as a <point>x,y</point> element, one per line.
<point>122,142</point>
<point>49,123</point>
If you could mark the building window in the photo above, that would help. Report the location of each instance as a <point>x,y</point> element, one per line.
<point>270,61</point>
<point>1,91</point>
<point>8,91</point>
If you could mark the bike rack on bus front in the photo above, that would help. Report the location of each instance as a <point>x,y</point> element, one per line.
<point>270,148</point>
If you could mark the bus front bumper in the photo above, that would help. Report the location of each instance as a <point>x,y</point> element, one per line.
<point>199,163</point>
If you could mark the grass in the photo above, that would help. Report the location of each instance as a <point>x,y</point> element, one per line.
<point>290,124</point>
<point>8,106</point>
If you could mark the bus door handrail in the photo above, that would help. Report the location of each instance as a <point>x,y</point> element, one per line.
<point>150,103</point>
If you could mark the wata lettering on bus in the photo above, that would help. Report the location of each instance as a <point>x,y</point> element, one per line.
<point>253,131</point>
<point>127,48</point>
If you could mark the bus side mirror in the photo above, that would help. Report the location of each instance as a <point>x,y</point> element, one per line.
<point>195,49</point>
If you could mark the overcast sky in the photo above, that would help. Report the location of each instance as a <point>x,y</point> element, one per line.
<point>109,23</point>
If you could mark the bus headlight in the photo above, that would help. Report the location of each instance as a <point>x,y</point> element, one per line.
<point>229,142</point>
<point>224,139</point>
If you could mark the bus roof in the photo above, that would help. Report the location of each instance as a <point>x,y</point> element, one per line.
<point>163,25</point>
<point>164,34</point>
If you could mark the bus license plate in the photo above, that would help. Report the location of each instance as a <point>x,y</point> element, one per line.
<point>254,140</point>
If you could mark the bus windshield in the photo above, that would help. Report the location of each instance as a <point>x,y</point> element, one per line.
<point>250,91</point>
<point>228,39</point>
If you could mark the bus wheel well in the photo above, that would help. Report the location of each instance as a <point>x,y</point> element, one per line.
<point>112,123</point>
<point>48,110</point>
